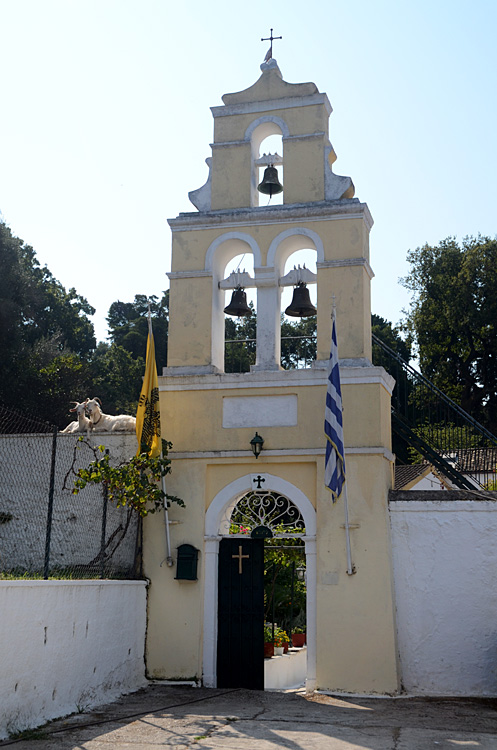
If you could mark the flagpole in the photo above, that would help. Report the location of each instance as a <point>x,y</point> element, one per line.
<point>169,560</point>
<point>350,568</point>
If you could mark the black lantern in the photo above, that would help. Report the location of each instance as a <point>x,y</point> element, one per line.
<point>256,444</point>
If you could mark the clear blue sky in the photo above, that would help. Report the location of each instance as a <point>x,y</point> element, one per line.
<point>105,123</point>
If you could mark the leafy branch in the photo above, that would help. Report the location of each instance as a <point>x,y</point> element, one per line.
<point>135,483</point>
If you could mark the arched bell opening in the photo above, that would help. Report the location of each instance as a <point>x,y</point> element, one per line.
<point>299,310</point>
<point>267,165</point>
<point>231,259</point>
<point>240,317</point>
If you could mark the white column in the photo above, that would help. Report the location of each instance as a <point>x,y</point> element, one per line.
<point>311,629</point>
<point>268,320</point>
<point>209,668</point>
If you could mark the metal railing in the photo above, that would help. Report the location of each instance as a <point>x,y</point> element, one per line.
<point>430,424</point>
<point>297,353</point>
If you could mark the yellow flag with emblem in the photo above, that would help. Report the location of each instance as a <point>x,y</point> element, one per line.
<point>148,412</point>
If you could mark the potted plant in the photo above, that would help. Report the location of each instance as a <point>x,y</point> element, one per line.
<point>281,641</point>
<point>268,642</point>
<point>298,637</point>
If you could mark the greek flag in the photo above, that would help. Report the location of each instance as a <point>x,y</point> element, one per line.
<point>334,468</point>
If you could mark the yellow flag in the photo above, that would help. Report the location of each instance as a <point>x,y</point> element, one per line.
<point>148,412</point>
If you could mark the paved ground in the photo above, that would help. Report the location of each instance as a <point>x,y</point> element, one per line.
<point>201,719</point>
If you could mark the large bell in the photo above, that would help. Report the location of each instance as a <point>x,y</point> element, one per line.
<point>301,305</point>
<point>238,306</point>
<point>270,184</point>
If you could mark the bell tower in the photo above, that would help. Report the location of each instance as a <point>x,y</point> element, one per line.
<point>211,416</point>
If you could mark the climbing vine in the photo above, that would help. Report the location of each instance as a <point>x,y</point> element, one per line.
<point>134,484</point>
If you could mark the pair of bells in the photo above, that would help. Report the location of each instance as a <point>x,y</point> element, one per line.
<point>300,306</point>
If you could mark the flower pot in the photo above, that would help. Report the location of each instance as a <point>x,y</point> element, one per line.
<point>268,650</point>
<point>298,640</point>
<point>285,647</point>
<point>278,650</point>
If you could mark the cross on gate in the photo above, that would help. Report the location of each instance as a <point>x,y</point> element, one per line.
<point>258,479</point>
<point>240,558</point>
<point>270,38</point>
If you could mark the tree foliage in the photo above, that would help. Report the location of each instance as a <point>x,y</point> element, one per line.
<point>46,337</point>
<point>133,484</point>
<point>128,326</point>
<point>452,319</point>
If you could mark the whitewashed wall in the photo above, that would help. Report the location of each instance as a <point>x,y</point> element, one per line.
<point>445,566</point>
<point>67,645</point>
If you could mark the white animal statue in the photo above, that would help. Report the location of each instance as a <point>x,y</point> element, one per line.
<point>82,423</point>
<point>108,422</point>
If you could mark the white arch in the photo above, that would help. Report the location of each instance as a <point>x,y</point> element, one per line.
<point>273,125</point>
<point>227,497</point>
<point>233,491</point>
<point>291,240</point>
<point>236,242</point>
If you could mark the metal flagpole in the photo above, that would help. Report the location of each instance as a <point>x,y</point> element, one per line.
<point>350,567</point>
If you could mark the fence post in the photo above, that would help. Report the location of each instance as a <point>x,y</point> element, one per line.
<point>105,495</point>
<point>48,536</point>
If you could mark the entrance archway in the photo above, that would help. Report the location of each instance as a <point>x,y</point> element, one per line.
<point>217,527</point>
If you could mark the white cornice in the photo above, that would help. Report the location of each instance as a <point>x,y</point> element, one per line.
<point>289,379</point>
<point>341,262</point>
<point>294,453</point>
<point>273,104</point>
<point>273,215</point>
<point>188,274</point>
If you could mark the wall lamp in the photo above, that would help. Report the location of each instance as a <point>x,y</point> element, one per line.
<point>256,444</point>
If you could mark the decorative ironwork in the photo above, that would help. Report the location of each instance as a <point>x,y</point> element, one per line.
<point>425,420</point>
<point>263,508</point>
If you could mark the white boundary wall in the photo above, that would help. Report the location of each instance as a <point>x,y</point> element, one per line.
<point>67,645</point>
<point>445,566</point>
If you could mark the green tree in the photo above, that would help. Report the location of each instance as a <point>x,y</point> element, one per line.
<point>239,356</point>
<point>298,342</point>
<point>46,337</point>
<point>117,378</point>
<point>452,320</point>
<point>128,326</point>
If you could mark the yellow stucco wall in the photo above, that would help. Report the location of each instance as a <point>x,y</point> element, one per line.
<point>355,615</point>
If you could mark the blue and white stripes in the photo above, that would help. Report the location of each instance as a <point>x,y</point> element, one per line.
<point>334,470</point>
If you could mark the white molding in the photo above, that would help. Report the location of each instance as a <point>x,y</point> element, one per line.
<point>275,378</point>
<point>294,453</point>
<point>285,132</point>
<point>305,136</point>
<point>188,274</point>
<point>342,262</point>
<point>211,253</point>
<point>215,513</point>
<point>286,213</point>
<point>272,254</point>
<point>290,102</point>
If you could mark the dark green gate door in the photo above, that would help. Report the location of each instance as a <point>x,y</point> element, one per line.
<point>240,639</point>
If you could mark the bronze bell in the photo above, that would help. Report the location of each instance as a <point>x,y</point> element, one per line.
<point>270,184</point>
<point>238,306</point>
<point>301,305</point>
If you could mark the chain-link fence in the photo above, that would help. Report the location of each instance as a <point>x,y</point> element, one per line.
<point>45,530</point>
